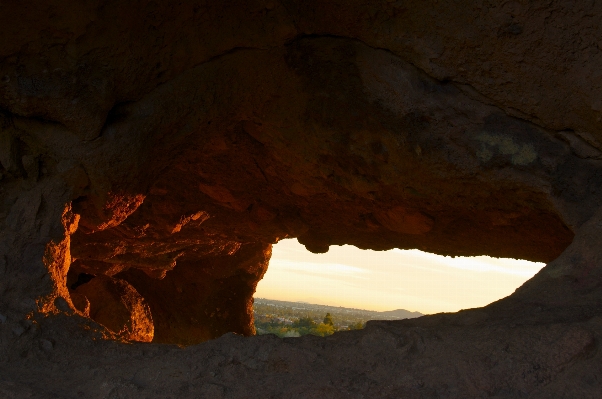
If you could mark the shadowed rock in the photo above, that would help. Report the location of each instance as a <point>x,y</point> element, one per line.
<point>161,148</point>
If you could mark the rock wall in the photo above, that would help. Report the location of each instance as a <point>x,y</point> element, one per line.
<point>151,153</point>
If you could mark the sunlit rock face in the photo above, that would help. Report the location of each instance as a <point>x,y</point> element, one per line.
<point>116,305</point>
<point>151,153</point>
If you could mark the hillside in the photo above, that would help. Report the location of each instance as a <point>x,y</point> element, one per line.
<point>397,314</point>
<point>286,319</point>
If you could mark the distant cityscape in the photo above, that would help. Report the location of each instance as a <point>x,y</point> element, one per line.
<point>294,319</point>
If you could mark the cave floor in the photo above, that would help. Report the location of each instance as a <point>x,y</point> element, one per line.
<point>504,350</point>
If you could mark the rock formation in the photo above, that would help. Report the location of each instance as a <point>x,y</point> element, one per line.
<point>152,152</point>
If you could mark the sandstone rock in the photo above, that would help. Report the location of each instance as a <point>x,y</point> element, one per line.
<point>163,147</point>
<point>118,306</point>
<point>199,301</point>
<point>403,220</point>
<point>8,152</point>
<point>46,345</point>
<point>81,303</point>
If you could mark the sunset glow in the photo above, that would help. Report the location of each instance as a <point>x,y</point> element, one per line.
<point>386,280</point>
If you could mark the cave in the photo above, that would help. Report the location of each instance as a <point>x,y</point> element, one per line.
<point>152,152</point>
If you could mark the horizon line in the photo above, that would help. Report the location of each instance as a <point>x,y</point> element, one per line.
<point>333,306</point>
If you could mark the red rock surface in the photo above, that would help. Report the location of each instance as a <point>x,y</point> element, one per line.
<point>117,306</point>
<point>162,147</point>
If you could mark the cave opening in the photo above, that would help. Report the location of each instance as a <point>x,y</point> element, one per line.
<point>187,300</point>
<point>175,211</point>
<point>346,276</point>
<point>413,280</point>
<point>152,153</point>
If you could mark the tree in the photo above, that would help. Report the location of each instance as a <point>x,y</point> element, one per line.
<point>357,326</point>
<point>305,322</point>
<point>328,319</point>
<point>323,330</point>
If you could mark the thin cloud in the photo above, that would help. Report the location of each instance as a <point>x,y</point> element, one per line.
<point>320,268</point>
<point>387,280</point>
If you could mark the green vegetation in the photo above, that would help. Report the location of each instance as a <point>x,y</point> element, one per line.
<point>293,319</point>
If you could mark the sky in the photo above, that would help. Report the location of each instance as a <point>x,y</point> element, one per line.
<point>387,280</point>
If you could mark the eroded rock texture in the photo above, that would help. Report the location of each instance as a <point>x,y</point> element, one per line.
<point>151,153</point>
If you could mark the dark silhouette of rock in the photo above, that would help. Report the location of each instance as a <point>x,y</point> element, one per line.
<point>400,314</point>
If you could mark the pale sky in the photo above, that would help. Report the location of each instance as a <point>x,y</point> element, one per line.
<point>387,280</point>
